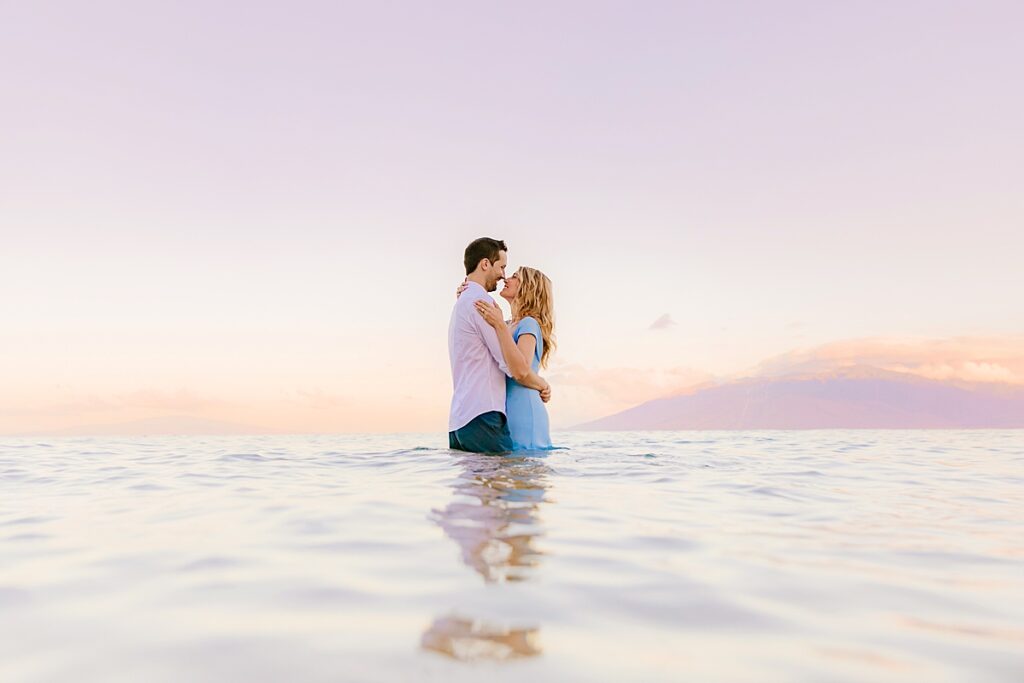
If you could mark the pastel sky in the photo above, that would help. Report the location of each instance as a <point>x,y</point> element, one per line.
<point>255,212</point>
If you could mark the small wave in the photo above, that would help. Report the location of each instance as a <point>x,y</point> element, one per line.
<point>27,520</point>
<point>148,487</point>
<point>250,457</point>
<point>212,562</point>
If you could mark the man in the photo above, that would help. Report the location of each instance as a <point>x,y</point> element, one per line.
<point>477,421</point>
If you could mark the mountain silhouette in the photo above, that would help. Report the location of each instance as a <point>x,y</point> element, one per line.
<point>853,398</point>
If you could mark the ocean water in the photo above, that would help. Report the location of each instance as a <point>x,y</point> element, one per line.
<point>645,556</point>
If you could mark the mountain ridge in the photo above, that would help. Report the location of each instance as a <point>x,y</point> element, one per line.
<point>857,397</point>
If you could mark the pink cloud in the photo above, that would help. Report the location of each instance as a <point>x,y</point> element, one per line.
<point>629,385</point>
<point>73,403</point>
<point>583,393</point>
<point>963,359</point>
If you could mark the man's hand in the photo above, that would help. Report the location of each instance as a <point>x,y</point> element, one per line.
<point>545,394</point>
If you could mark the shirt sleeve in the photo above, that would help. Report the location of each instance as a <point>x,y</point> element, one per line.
<point>529,325</point>
<point>490,338</point>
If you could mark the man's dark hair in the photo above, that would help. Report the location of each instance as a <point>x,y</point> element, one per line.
<point>480,249</point>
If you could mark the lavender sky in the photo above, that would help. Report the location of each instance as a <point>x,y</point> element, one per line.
<point>255,212</point>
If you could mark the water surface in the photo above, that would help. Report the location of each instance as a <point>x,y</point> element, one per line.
<point>655,556</point>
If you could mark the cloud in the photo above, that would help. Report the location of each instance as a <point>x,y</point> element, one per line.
<point>63,408</point>
<point>629,384</point>
<point>584,393</point>
<point>72,403</point>
<point>963,359</point>
<point>181,400</point>
<point>663,323</point>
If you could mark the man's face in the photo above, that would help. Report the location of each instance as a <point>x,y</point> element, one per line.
<point>497,271</point>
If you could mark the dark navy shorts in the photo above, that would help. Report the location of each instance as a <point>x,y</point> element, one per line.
<point>487,433</point>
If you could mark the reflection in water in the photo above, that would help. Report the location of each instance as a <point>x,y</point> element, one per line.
<point>493,518</point>
<point>470,640</point>
<point>493,515</point>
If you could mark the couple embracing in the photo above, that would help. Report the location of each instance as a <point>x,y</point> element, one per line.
<point>498,404</point>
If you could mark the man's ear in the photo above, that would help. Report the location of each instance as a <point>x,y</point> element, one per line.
<point>486,264</point>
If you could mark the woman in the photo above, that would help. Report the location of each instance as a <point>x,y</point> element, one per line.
<point>528,292</point>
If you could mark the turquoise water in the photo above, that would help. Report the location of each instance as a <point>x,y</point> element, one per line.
<point>655,556</point>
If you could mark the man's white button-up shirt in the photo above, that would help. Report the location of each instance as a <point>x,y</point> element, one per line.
<point>478,366</point>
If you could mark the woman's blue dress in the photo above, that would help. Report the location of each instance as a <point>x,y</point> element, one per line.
<point>527,416</point>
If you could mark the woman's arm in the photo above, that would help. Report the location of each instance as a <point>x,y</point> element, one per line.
<point>518,365</point>
<point>527,346</point>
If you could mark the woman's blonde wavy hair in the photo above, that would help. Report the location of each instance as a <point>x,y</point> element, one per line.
<point>536,300</point>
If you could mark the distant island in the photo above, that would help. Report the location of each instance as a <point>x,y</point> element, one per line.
<point>852,398</point>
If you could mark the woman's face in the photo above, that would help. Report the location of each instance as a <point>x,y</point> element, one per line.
<point>511,288</point>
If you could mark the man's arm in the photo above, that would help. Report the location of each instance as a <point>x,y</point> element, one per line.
<point>493,344</point>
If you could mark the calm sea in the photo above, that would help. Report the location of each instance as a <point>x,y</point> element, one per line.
<point>645,556</point>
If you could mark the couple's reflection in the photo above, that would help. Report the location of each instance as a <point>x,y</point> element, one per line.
<point>493,517</point>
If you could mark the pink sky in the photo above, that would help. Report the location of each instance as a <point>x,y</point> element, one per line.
<point>256,213</point>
